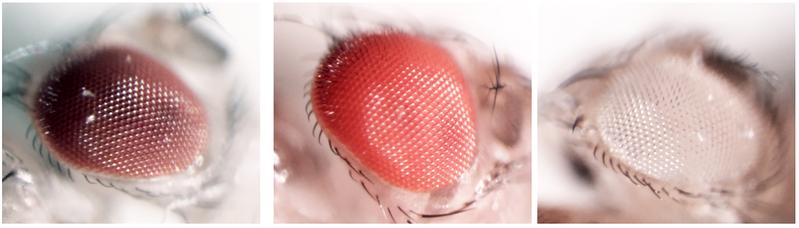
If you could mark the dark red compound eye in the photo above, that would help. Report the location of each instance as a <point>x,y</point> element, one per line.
<point>117,112</point>
<point>400,105</point>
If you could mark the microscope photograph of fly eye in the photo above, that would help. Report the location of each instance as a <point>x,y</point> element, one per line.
<point>130,113</point>
<point>389,113</point>
<point>670,113</point>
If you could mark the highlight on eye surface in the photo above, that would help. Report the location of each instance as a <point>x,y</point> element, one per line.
<point>132,113</point>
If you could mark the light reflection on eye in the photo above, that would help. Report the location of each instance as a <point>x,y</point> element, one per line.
<point>313,159</point>
<point>143,103</point>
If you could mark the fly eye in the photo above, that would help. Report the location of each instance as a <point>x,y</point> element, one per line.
<point>672,129</point>
<point>400,105</point>
<point>675,121</point>
<point>140,110</point>
<point>117,112</point>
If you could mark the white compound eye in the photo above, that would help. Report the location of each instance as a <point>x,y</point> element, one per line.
<point>675,120</point>
<point>682,120</point>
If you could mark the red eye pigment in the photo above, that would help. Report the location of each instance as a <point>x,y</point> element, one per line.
<point>117,112</point>
<point>400,105</point>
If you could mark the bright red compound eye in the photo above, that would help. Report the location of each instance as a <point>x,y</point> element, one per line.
<point>400,105</point>
<point>117,112</point>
